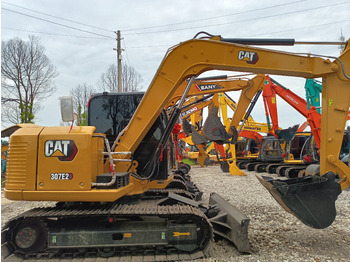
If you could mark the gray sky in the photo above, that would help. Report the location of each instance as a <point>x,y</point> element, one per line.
<point>149,28</point>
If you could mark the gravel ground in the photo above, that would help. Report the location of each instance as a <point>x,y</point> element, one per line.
<point>274,234</point>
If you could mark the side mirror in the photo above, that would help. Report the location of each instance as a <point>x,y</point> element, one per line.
<point>67,111</point>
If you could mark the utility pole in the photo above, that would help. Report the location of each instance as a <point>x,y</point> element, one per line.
<point>119,58</point>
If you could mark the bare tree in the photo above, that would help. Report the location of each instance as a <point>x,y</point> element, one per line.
<point>27,77</point>
<point>108,81</point>
<point>81,96</point>
<point>131,79</point>
<point>341,38</point>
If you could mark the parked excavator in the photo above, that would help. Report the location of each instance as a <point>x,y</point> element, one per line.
<point>313,90</point>
<point>285,159</point>
<point>300,145</point>
<point>195,136</point>
<point>110,116</point>
<point>221,101</point>
<point>248,130</point>
<point>104,206</point>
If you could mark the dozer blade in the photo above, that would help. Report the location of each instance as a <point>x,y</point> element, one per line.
<point>230,223</point>
<point>311,199</point>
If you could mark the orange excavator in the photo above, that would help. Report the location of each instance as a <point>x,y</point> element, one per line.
<point>301,141</point>
<point>286,164</point>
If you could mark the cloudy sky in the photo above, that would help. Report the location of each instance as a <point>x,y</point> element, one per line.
<point>79,36</point>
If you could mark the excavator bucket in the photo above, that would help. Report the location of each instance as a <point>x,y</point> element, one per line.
<point>203,158</point>
<point>213,129</point>
<point>186,127</point>
<point>229,223</point>
<point>197,138</point>
<point>311,199</point>
<point>287,134</point>
<point>234,170</point>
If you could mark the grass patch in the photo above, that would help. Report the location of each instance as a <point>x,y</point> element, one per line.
<point>188,161</point>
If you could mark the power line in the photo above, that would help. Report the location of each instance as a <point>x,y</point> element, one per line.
<point>300,28</point>
<point>75,36</point>
<point>151,27</point>
<point>213,17</point>
<point>275,32</point>
<point>68,20</point>
<point>71,27</point>
<point>239,21</point>
<point>150,46</point>
<point>126,52</point>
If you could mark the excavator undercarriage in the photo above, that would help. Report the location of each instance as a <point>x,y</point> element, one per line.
<point>159,223</point>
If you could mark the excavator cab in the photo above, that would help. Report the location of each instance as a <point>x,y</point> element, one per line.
<point>110,113</point>
<point>270,150</point>
<point>298,144</point>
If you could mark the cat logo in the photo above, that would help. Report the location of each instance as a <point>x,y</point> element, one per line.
<point>64,150</point>
<point>249,57</point>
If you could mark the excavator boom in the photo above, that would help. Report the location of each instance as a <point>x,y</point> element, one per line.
<point>197,56</point>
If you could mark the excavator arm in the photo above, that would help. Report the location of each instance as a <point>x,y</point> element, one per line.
<point>250,124</point>
<point>194,57</point>
<point>210,85</point>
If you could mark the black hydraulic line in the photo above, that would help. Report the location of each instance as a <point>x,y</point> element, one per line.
<point>196,102</point>
<point>250,109</point>
<point>256,41</point>
<point>152,164</point>
<point>277,41</point>
<point>233,101</point>
<point>211,78</point>
<point>252,104</point>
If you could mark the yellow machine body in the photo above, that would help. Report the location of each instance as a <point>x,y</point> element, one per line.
<point>56,164</point>
<point>189,59</point>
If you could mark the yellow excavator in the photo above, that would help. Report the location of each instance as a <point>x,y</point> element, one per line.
<point>213,129</point>
<point>248,129</point>
<point>219,103</point>
<point>110,200</point>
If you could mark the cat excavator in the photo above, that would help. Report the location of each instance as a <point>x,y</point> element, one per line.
<point>112,200</point>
